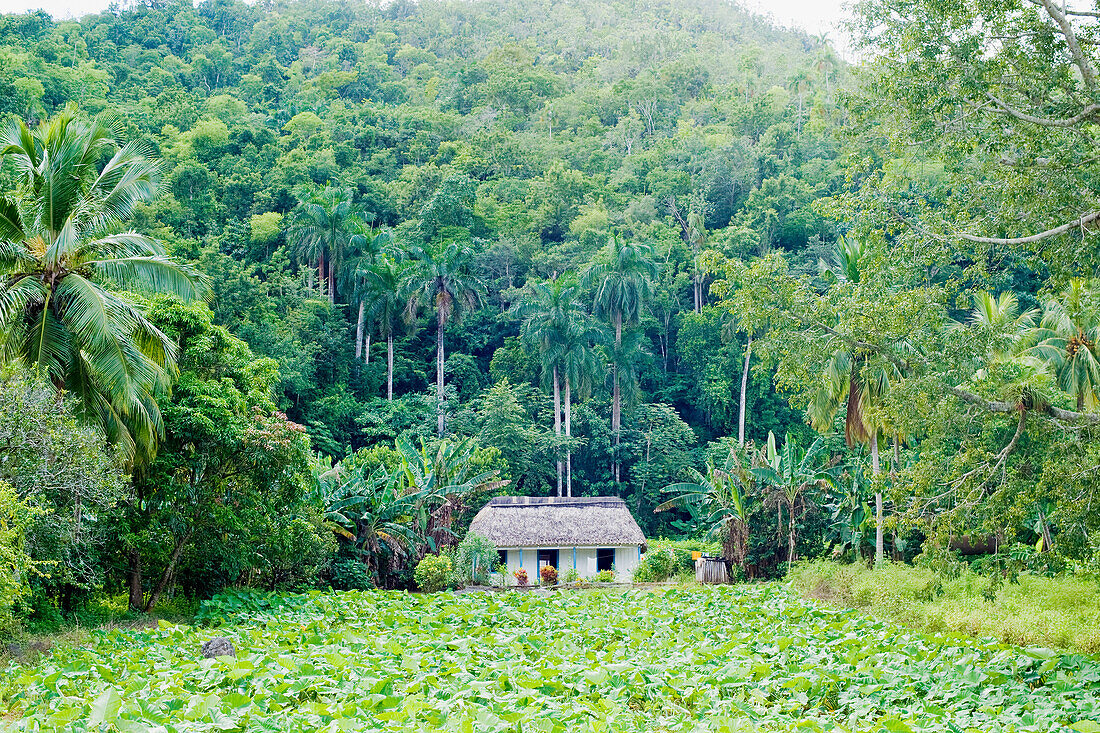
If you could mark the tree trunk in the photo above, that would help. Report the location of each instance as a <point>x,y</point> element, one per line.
<point>697,284</point>
<point>331,283</point>
<point>790,538</point>
<point>879,549</point>
<point>568,435</point>
<point>897,455</point>
<point>616,396</point>
<point>359,330</point>
<point>321,277</point>
<point>167,574</point>
<point>389,367</point>
<point>439,401</point>
<point>1080,400</point>
<point>134,581</point>
<point>744,394</point>
<point>366,349</point>
<point>557,427</point>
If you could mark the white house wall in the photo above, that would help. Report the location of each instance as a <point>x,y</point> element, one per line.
<point>626,561</point>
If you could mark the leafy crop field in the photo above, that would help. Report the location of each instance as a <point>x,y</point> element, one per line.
<point>681,659</point>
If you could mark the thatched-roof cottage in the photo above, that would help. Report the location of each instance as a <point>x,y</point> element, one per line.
<point>588,534</point>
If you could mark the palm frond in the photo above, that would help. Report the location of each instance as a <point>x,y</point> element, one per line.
<point>161,275</point>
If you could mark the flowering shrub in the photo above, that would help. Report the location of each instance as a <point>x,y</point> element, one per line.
<point>521,577</point>
<point>604,576</point>
<point>549,575</point>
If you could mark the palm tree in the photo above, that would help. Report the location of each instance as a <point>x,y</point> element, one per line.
<point>720,494</point>
<point>548,310</point>
<point>441,275</point>
<point>367,245</point>
<point>856,378</point>
<point>623,282</point>
<point>384,292</point>
<point>322,228</point>
<point>64,266</point>
<point>791,473</point>
<point>579,364</point>
<point>1068,340</point>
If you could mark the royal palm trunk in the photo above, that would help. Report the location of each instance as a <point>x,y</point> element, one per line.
<point>359,330</point>
<point>557,426</point>
<point>389,367</point>
<point>439,371</point>
<point>568,435</point>
<point>744,391</point>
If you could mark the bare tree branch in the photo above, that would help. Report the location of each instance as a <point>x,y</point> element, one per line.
<point>1087,72</point>
<point>1067,227</point>
<point>1087,113</point>
<point>999,406</point>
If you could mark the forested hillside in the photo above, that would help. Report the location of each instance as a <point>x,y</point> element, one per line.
<point>596,246</point>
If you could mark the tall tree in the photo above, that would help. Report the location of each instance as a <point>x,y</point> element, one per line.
<point>64,268</point>
<point>384,293</point>
<point>367,245</point>
<point>441,276</point>
<point>623,281</point>
<point>854,377</point>
<point>545,310</point>
<point>1024,76</point>
<point>322,229</point>
<point>556,325</point>
<point>580,364</point>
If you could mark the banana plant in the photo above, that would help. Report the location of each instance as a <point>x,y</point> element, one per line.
<point>716,499</point>
<point>790,473</point>
<point>372,511</point>
<point>850,514</point>
<point>440,479</point>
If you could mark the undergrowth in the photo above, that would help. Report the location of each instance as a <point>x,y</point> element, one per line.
<point>1061,612</point>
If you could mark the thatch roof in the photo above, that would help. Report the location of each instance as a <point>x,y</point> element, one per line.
<point>530,521</point>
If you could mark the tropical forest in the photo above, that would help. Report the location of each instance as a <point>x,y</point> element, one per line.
<point>295,292</point>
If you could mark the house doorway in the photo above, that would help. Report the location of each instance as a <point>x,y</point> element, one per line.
<point>605,559</point>
<point>548,557</point>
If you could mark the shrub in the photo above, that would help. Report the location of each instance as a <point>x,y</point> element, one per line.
<point>521,577</point>
<point>656,566</point>
<point>571,576</point>
<point>474,559</point>
<point>433,573</point>
<point>15,564</point>
<point>349,573</point>
<point>549,575</point>
<point>605,576</point>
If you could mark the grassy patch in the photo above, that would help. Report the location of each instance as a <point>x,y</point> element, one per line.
<point>1061,612</point>
<point>45,631</point>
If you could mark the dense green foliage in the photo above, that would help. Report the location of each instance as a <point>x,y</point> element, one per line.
<point>526,152</point>
<point>719,659</point>
<point>15,563</point>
